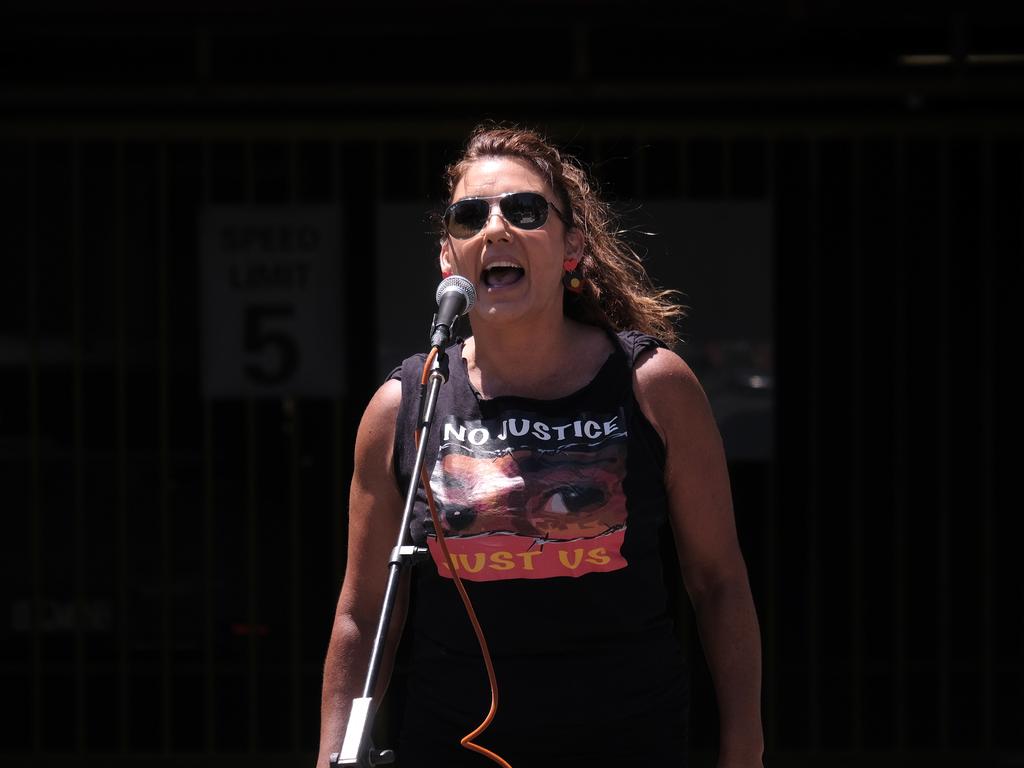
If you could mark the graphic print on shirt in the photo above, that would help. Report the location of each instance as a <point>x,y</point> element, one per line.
<point>530,498</point>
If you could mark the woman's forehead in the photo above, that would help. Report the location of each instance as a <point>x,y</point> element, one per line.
<point>497,175</point>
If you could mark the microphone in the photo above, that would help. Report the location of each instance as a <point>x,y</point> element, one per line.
<point>455,296</point>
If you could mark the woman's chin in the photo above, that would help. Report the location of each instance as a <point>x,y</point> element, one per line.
<point>507,306</point>
<point>499,312</point>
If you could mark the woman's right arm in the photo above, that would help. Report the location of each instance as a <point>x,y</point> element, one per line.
<point>375,512</point>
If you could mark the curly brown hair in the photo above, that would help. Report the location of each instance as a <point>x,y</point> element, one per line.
<point>618,293</point>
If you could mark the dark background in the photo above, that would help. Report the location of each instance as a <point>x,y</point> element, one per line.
<point>172,562</point>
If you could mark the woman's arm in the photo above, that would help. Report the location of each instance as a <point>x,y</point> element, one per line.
<point>700,499</point>
<point>375,512</point>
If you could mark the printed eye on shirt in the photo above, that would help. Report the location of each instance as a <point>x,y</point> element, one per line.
<point>529,498</point>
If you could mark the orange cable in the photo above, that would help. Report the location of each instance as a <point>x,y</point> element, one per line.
<point>467,740</point>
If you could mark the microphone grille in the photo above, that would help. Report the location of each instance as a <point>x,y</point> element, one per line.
<point>460,284</point>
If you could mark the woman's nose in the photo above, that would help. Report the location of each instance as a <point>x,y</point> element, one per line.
<point>496,225</point>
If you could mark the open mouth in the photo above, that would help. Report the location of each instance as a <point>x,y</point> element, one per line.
<point>501,275</point>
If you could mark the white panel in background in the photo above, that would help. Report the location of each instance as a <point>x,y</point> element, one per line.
<point>271,301</point>
<point>407,279</point>
<point>720,255</point>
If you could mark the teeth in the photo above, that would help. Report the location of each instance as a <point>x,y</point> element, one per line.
<point>503,264</point>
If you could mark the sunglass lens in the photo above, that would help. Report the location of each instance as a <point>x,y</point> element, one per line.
<point>466,217</point>
<point>526,210</point>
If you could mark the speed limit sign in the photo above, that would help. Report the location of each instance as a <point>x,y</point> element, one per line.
<point>271,301</point>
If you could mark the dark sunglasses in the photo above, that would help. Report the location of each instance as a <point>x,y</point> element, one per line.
<point>523,210</point>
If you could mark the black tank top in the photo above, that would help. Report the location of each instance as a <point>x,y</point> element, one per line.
<point>553,511</point>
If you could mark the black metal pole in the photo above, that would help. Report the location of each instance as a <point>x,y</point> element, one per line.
<point>357,749</point>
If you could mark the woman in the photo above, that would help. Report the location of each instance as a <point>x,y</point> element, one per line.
<point>566,437</point>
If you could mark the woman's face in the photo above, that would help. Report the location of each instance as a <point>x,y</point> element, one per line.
<point>517,273</point>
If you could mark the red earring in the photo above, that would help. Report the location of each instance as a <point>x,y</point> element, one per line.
<point>445,274</point>
<point>573,277</point>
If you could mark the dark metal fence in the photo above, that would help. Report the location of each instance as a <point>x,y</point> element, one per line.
<point>173,562</point>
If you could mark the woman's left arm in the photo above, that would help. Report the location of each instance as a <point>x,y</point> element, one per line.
<point>700,500</point>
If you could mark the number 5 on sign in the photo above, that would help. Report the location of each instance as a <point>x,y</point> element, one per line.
<point>271,287</point>
<point>261,339</point>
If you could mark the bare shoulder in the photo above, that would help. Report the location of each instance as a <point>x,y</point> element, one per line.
<point>386,399</point>
<point>668,391</point>
<point>659,367</point>
<point>377,426</point>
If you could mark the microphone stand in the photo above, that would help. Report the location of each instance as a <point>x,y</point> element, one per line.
<point>358,749</point>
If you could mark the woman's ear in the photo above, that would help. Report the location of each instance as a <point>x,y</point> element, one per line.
<point>574,244</point>
<point>445,258</point>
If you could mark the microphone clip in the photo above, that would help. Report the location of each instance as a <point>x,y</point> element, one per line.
<point>441,335</point>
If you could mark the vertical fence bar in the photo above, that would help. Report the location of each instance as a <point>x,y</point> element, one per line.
<point>293,421</point>
<point>35,512</point>
<point>338,526</point>
<point>163,457</point>
<point>943,414</point>
<point>988,277</point>
<point>78,449</point>
<point>209,531</point>
<point>639,168</point>
<point>856,473</point>
<point>900,452</point>
<point>770,541</point>
<point>252,518</point>
<point>121,460</point>
<point>682,154</point>
<point>814,384</point>
<point>727,162</point>
<point>252,560</point>
<point>423,169</point>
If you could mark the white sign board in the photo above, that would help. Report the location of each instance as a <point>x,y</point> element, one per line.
<point>271,294</point>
